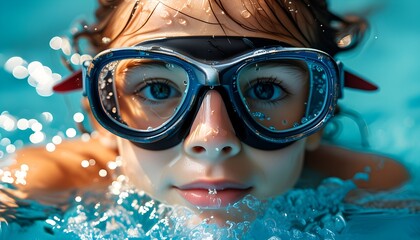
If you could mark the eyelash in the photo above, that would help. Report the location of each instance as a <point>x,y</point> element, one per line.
<point>272,80</point>
<point>149,82</point>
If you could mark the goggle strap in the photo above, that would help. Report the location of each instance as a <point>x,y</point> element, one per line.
<point>71,83</point>
<point>353,81</point>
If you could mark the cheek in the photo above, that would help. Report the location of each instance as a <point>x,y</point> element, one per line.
<point>278,170</point>
<point>146,169</point>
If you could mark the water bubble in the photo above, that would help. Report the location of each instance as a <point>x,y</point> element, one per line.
<point>106,40</point>
<point>36,126</point>
<point>20,72</point>
<point>71,132</point>
<point>245,14</point>
<point>13,62</point>
<point>212,191</point>
<point>164,14</point>
<point>48,117</point>
<point>103,173</point>
<point>22,124</point>
<point>37,137</point>
<point>75,59</point>
<point>10,148</point>
<point>50,147</point>
<point>78,117</point>
<point>55,42</point>
<point>259,115</point>
<point>170,65</point>
<point>84,163</point>
<point>57,140</point>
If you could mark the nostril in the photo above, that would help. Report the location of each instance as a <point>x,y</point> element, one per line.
<point>198,149</point>
<point>227,149</point>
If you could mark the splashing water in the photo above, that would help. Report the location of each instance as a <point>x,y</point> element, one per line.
<point>127,213</point>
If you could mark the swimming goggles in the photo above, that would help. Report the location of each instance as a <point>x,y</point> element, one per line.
<point>274,94</point>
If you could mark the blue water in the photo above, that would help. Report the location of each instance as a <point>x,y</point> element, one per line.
<point>124,213</point>
<point>388,57</point>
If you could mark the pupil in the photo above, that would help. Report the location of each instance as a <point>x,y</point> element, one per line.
<point>160,91</point>
<point>263,91</point>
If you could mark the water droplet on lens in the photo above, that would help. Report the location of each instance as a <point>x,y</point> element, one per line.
<point>169,22</point>
<point>245,14</point>
<point>285,122</point>
<point>164,14</point>
<point>182,21</point>
<point>149,128</point>
<point>114,110</point>
<point>257,68</point>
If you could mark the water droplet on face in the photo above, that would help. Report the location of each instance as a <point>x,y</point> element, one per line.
<point>212,191</point>
<point>106,40</point>
<point>245,14</point>
<point>169,22</point>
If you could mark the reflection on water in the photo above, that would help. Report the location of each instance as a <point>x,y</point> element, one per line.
<point>124,213</point>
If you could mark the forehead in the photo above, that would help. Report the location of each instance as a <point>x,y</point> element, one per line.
<point>153,19</point>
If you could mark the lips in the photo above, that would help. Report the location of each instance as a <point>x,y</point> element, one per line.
<point>212,195</point>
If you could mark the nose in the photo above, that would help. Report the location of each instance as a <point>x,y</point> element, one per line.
<point>212,137</point>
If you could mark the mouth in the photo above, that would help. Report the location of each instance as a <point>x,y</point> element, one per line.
<point>213,195</point>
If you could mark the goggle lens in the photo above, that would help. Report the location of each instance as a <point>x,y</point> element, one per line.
<point>283,94</point>
<point>144,94</point>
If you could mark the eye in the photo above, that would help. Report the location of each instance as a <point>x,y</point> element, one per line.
<point>157,90</point>
<point>266,90</point>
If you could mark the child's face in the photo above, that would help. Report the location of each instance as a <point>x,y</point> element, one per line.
<point>211,156</point>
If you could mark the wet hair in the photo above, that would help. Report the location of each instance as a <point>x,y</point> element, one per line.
<point>308,21</point>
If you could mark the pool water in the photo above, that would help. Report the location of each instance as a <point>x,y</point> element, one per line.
<point>302,213</point>
<point>392,116</point>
